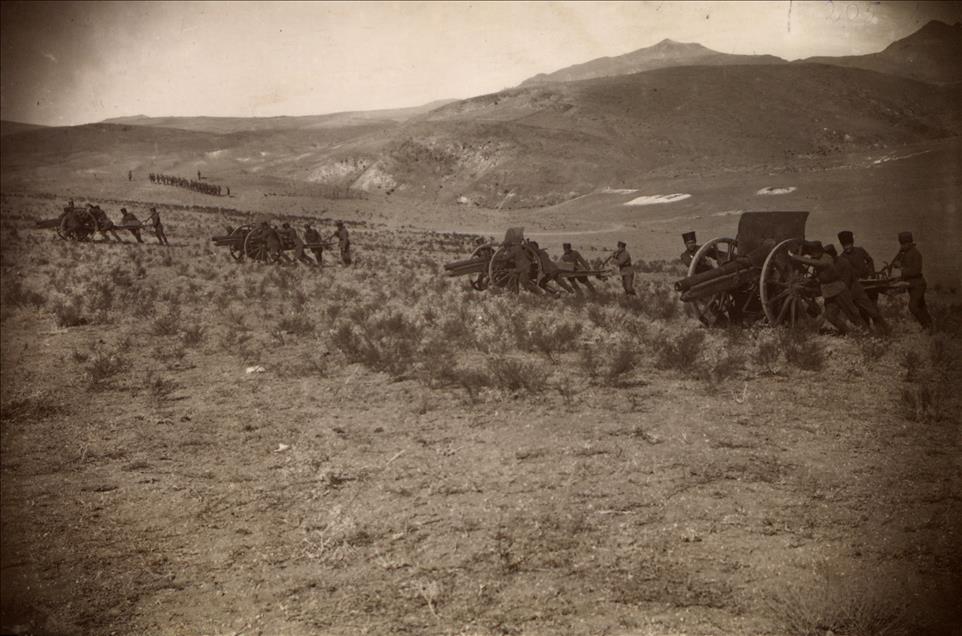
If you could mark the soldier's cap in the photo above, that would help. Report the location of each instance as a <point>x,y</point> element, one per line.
<point>830,249</point>
<point>285,225</point>
<point>566,246</point>
<point>905,238</point>
<point>815,247</point>
<point>688,237</point>
<point>622,244</point>
<point>123,209</point>
<point>846,238</point>
<point>153,209</point>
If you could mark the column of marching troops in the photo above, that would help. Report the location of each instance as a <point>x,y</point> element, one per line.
<point>190,184</point>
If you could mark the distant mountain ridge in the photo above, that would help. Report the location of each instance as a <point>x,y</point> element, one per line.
<point>227,125</point>
<point>13,127</point>
<point>664,54</point>
<point>931,54</point>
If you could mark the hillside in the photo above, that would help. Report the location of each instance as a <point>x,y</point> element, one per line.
<point>14,127</point>
<point>226,125</point>
<point>931,54</point>
<point>540,145</point>
<point>664,54</point>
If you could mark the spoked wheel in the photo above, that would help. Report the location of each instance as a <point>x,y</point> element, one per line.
<point>721,308</point>
<point>483,279</point>
<point>259,248</point>
<point>237,245</point>
<point>788,289</point>
<point>77,225</point>
<point>503,272</point>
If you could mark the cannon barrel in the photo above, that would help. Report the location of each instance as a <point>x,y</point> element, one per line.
<point>754,259</point>
<point>475,265</point>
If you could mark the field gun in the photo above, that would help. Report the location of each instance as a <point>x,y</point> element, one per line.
<point>259,243</point>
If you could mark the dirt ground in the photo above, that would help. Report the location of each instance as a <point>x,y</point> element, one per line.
<point>196,446</point>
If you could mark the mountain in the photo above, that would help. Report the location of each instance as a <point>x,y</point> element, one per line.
<point>245,124</point>
<point>664,54</point>
<point>14,127</point>
<point>931,54</point>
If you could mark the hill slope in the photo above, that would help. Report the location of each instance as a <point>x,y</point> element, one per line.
<point>14,127</point>
<point>931,54</point>
<point>664,54</point>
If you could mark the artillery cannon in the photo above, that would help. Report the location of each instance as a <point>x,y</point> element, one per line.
<point>259,243</point>
<point>511,264</point>
<point>78,223</point>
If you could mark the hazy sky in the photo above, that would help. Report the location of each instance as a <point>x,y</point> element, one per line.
<point>68,63</point>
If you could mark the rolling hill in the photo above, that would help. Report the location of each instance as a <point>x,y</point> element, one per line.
<point>14,127</point>
<point>931,54</point>
<point>664,54</point>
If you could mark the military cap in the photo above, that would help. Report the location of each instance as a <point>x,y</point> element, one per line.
<point>688,237</point>
<point>622,244</point>
<point>905,238</point>
<point>846,238</point>
<point>815,247</point>
<point>123,209</point>
<point>566,246</point>
<point>285,225</point>
<point>830,249</point>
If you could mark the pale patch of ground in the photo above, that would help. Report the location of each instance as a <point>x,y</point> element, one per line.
<point>888,158</point>
<point>653,199</point>
<point>619,191</point>
<point>776,190</point>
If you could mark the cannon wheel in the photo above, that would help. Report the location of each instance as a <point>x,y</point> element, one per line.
<point>788,289</point>
<point>484,278</point>
<point>258,251</point>
<point>84,226</point>
<point>717,309</point>
<point>501,274</point>
<point>237,246</point>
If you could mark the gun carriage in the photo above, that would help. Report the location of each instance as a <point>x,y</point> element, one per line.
<point>75,223</point>
<point>511,264</point>
<point>259,243</point>
<point>753,277</point>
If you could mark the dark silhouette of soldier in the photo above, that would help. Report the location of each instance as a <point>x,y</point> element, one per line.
<point>154,220</point>
<point>909,261</point>
<point>313,238</point>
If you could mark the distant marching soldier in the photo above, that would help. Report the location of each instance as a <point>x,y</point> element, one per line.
<point>154,220</point>
<point>577,263</point>
<point>909,261</point>
<point>343,242</point>
<point>622,259</point>
<point>313,237</point>
<point>132,224</point>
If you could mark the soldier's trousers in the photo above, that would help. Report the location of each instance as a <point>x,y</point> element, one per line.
<point>867,308</point>
<point>838,308</point>
<point>161,237</point>
<point>543,283</point>
<point>584,281</point>
<point>628,283</point>
<point>318,255</point>
<point>346,253</point>
<point>917,304</point>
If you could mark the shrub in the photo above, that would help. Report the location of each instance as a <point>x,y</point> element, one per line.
<point>766,354</point>
<point>16,295</point>
<point>802,351</point>
<point>105,365</point>
<point>298,324</point>
<point>912,363</point>
<point>549,339</point>
<point>624,359</point>
<point>517,375</point>
<point>168,323</point>
<point>193,335</point>
<point>70,313</point>
<point>680,352</point>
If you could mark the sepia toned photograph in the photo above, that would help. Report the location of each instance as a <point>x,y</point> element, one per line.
<point>481,318</point>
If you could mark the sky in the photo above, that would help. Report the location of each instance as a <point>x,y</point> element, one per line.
<point>68,63</point>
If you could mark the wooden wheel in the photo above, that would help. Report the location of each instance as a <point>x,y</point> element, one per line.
<point>237,244</point>
<point>788,289</point>
<point>261,248</point>
<point>721,308</point>
<point>503,272</point>
<point>77,225</point>
<point>483,279</point>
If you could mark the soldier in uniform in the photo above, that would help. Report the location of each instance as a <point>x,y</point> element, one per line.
<point>313,237</point>
<point>577,263</point>
<point>130,220</point>
<point>343,242</point>
<point>861,261</point>
<point>154,220</point>
<point>622,259</point>
<point>834,291</point>
<point>549,271</point>
<point>909,261</point>
<point>867,309</point>
<point>691,247</point>
<point>104,225</point>
<point>290,238</point>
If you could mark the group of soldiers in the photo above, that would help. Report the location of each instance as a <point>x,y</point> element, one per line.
<point>285,237</point>
<point>128,222</point>
<point>847,303</point>
<point>190,184</point>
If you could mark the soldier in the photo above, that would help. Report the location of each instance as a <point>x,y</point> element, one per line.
<point>577,263</point>
<point>313,238</point>
<point>549,271</point>
<point>691,247</point>
<point>104,225</point>
<point>867,309</point>
<point>132,224</point>
<point>290,238</point>
<point>154,220</point>
<point>520,266</point>
<point>622,259</point>
<point>834,292</point>
<point>862,263</point>
<point>909,261</point>
<point>343,242</point>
